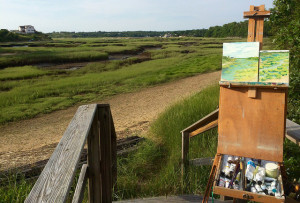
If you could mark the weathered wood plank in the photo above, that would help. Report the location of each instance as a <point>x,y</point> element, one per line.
<point>94,161</point>
<point>81,183</point>
<point>113,153</point>
<point>106,156</point>
<point>175,199</point>
<point>293,131</point>
<point>202,161</point>
<point>55,181</point>
<point>184,151</point>
<point>203,121</point>
<point>251,29</point>
<point>260,31</point>
<point>204,128</point>
<point>251,14</point>
<point>124,146</point>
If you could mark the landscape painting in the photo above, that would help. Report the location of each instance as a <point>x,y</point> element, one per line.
<point>240,62</point>
<point>274,66</point>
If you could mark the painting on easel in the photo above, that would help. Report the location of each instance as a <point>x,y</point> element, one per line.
<point>274,66</point>
<point>240,62</point>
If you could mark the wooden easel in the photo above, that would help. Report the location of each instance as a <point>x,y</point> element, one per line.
<point>239,96</point>
<point>256,16</point>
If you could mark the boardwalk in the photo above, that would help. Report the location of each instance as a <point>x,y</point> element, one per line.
<point>177,199</point>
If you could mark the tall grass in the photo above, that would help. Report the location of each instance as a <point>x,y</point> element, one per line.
<point>155,168</point>
<point>14,188</point>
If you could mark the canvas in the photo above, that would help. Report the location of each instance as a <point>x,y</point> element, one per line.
<point>240,62</point>
<point>274,66</point>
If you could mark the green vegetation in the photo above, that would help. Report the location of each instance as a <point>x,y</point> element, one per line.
<point>6,36</point>
<point>14,188</point>
<point>285,22</point>
<point>28,91</point>
<point>24,72</point>
<point>154,169</point>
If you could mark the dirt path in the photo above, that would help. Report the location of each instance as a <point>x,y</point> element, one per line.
<point>32,140</point>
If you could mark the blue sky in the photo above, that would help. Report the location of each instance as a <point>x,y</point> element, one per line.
<point>241,49</point>
<point>122,15</point>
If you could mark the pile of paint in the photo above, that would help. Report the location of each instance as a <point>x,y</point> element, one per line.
<point>253,175</point>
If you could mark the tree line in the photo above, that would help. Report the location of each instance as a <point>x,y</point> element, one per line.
<point>234,29</point>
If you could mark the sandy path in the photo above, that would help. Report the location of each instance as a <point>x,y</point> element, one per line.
<point>32,140</point>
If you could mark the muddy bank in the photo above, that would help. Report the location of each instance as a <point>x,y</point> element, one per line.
<point>141,55</point>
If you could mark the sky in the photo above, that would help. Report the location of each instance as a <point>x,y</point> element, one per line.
<point>241,49</point>
<point>122,15</point>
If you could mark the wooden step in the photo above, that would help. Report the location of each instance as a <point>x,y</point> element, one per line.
<point>177,199</point>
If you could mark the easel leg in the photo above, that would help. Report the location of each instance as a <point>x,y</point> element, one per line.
<point>211,179</point>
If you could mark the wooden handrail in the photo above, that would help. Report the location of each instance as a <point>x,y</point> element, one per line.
<point>293,131</point>
<point>211,121</point>
<point>93,123</point>
<point>202,122</point>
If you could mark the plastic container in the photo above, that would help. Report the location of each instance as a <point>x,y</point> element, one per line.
<point>272,170</point>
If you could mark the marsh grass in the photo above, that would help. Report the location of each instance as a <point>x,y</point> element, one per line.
<point>23,72</point>
<point>155,168</point>
<point>14,188</point>
<point>28,91</point>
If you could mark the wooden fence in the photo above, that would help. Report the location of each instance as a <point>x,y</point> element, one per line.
<point>92,124</point>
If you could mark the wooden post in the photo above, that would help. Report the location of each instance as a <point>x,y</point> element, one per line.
<point>105,152</point>
<point>81,183</point>
<point>94,161</point>
<point>184,153</point>
<point>113,153</point>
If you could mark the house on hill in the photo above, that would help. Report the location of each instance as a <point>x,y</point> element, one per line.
<point>27,29</point>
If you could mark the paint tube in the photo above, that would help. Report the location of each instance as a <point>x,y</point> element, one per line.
<point>264,188</point>
<point>249,170</point>
<point>260,175</point>
<point>227,182</point>
<point>222,180</point>
<point>258,188</point>
<point>253,190</point>
<point>232,168</point>
<point>268,179</point>
<point>238,178</point>
<point>226,169</point>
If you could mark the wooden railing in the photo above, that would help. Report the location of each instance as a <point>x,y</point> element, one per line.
<point>92,124</point>
<point>211,121</point>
